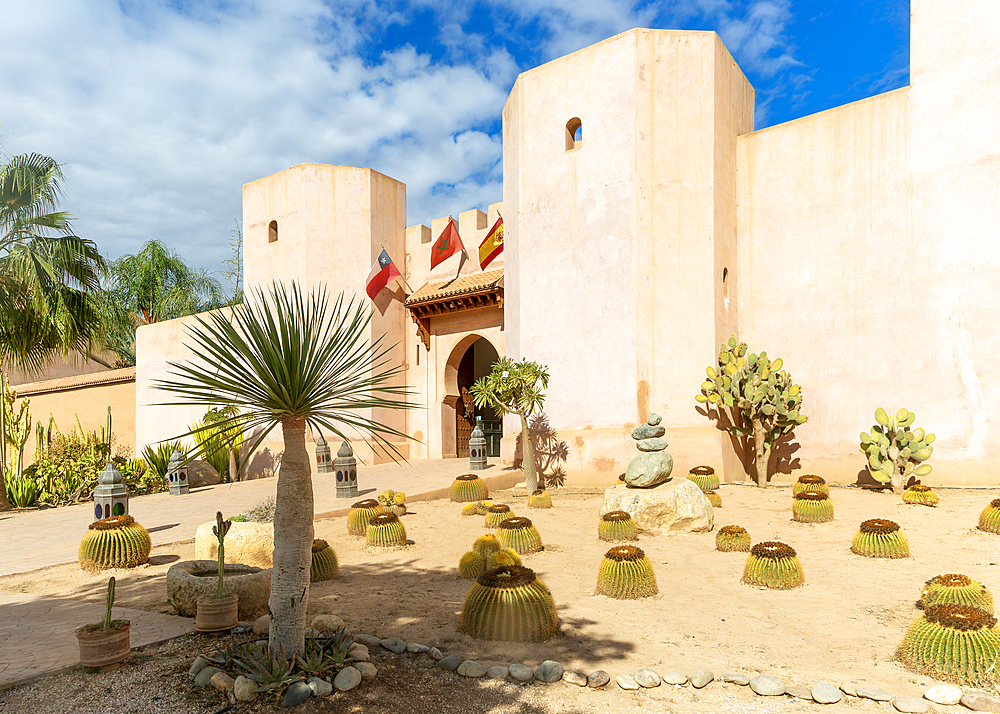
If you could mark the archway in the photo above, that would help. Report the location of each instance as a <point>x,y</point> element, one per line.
<point>471,359</point>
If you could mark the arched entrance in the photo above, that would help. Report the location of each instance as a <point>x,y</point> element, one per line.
<point>471,359</point>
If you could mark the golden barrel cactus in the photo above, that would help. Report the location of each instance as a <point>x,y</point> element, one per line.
<point>880,538</point>
<point>954,643</point>
<point>359,515</point>
<point>324,562</point>
<point>626,574</point>
<point>116,542</point>
<point>511,604</point>
<point>617,526</point>
<point>519,535</point>
<point>732,539</point>
<point>773,565</point>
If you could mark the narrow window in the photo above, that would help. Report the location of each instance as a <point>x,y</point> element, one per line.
<point>418,355</point>
<point>574,134</point>
<point>272,232</point>
<point>725,288</point>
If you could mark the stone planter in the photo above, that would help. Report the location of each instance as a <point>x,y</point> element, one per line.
<point>99,648</point>
<point>216,614</point>
<point>246,543</point>
<point>190,580</point>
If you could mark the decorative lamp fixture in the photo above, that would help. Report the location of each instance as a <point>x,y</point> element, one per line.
<point>110,494</point>
<point>477,449</point>
<point>177,475</point>
<point>346,467</point>
<point>324,463</point>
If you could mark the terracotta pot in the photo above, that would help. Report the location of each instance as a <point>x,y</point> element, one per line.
<point>215,614</point>
<point>99,648</point>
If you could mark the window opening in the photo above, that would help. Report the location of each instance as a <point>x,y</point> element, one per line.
<point>574,134</point>
<point>272,232</point>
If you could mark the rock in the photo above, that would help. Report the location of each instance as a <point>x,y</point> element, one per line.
<point>571,676</point>
<point>246,543</point>
<point>521,673</point>
<point>347,679</point>
<point>702,678</point>
<point>980,702</point>
<point>360,654</point>
<point>472,669</point>
<point>651,445</point>
<point>296,694</point>
<point>649,469</point>
<point>357,647</point>
<point>325,623</point>
<point>450,663</point>
<point>320,687</point>
<point>497,672</point>
<point>598,679</point>
<point>394,644</point>
<point>850,687</point>
<point>436,654</point>
<point>190,580</point>
<point>244,689</point>
<point>878,695</point>
<point>648,431</point>
<point>944,694</point>
<point>199,664</point>
<point>825,693</point>
<point>911,705</point>
<point>767,686</point>
<point>673,507</point>
<point>262,625</point>
<point>736,678</point>
<point>368,640</point>
<point>417,648</point>
<point>367,670</point>
<point>675,677</point>
<point>204,677</point>
<point>800,692</point>
<point>646,678</point>
<point>626,682</point>
<point>654,419</point>
<point>222,682</point>
<point>549,671</point>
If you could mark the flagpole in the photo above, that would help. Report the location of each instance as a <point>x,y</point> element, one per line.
<point>380,245</point>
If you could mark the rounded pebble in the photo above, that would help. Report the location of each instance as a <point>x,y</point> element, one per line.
<point>367,669</point>
<point>394,644</point>
<point>826,693</point>
<point>417,648</point>
<point>573,677</point>
<point>850,688</point>
<point>767,686</point>
<point>199,664</point>
<point>296,693</point>
<point>702,678</point>
<point>347,679</point>
<point>736,678</point>
<point>878,695</point>
<point>549,671</point>
<point>674,677</point>
<point>981,702</point>
<point>800,692</point>
<point>204,677</point>
<point>222,682</point>
<point>320,687</point>
<point>911,705</point>
<point>944,694</point>
<point>436,654</point>
<point>470,668</point>
<point>497,672</point>
<point>647,678</point>
<point>368,640</point>
<point>626,682</point>
<point>598,679</point>
<point>521,673</point>
<point>450,663</point>
<point>326,623</point>
<point>262,625</point>
<point>244,689</point>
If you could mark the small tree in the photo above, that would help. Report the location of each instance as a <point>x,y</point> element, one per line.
<point>515,388</point>
<point>757,395</point>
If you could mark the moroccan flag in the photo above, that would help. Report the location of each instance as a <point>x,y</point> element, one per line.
<point>382,272</point>
<point>447,244</point>
<point>492,246</point>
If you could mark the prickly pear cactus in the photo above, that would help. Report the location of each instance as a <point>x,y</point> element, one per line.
<point>954,643</point>
<point>626,574</point>
<point>324,562</point>
<point>895,450</point>
<point>509,603</point>
<point>762,401</point>
<point>116,542</point>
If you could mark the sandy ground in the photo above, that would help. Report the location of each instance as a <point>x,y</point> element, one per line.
<point>845,623</point>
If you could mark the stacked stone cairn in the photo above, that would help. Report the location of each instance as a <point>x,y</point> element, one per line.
<point>654,464</point>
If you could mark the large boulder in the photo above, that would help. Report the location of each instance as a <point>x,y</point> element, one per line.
<point>246,543</point>
<point>190,580</point>
<point>678,505</point>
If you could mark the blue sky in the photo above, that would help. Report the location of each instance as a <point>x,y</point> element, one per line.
<point>162,109</point>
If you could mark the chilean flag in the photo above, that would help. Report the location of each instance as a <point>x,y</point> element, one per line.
<point>382,272</point>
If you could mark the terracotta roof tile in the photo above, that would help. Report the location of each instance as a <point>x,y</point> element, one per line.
<point>477,282</point>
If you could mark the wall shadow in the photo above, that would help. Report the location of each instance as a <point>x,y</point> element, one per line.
<point>550,452</point>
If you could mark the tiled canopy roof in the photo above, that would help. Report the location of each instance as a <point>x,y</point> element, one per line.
<point>477,282</point>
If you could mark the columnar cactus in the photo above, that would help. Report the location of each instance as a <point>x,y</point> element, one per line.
<point>486,545</point>
<point>324,562</point>
<point>879,538</point>
<point>920,495</point>
<point>501,558</point>
<point>773,565</point>
<point>954,589</point>
<point>496,513</point>
<point>954,643</point>
<point>989,519</point>
<point>468,487</point>
<point>809,482</point>
<point>895,451</point>
<point>359,515</point>
<point>704,477</point>
<point>471,566</point>
<point>732,539</point>
<point>509,603</point>
<point>617,526</point>
<point>116,542</point>
<point>519,535</point>
<point>812,507</point>
<point>713,498</point>
<point>384,529</point>
<point>626,574</point>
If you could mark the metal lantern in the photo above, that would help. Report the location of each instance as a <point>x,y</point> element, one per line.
<point>110,494</point>
<point>477,448</point>
<point>177,475</point>
<point>346,467</point>
<point>324,464</point>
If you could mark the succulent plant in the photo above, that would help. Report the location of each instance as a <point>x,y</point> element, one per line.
<point>511,604</point>
<point>540,498</point>
<point>503,557</point>
<point>386,498</point>
<point>272,671</point>
<point>626,574</point>
<point>713,498</point>
<point>879,538</point>
<point>812,507</point>
<point>468,487</point>
<point>519,535</point>
<point>732,539</point>
<point>470,509</point>
<point>483,507</point>
<point>486,545</point>
<point>920,495</point>
<point>809,482</point>
<point>773,565</point>
<point>954,589</point>
<point>896,451</point>
<point>704,477</point>
<point>116,542</point>
<point>359,515</point>
<point>324,562</point>
<point>384,529</point>
<point>617,526</point>
<point>954,643</point>
<point>325,652</point>
<point>496,513</point>
<point>471,566</point>
<point>989,519</point>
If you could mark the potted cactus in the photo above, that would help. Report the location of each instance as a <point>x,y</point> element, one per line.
<point>106,642</point>
<point>218,612</point>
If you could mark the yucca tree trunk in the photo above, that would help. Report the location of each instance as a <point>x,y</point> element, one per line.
<point>293,538</point>
<point>528,452</point>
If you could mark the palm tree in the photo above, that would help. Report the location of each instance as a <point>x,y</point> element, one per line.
<point>283,357</point>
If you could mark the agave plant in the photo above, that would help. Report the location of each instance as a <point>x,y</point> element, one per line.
<point>272,670</point>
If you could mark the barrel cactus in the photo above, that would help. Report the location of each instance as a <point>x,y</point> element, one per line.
<point>713,498</point>
<point>920,495</point>
<point>879,538</point>
<point>511,604</point>
<point>732,539</point>
<point>954,589</point>
<point>896,451</point>
<point>704,477</point>
<point>385,529</point>
<point>324,562</point>
<point>471,566</point>
<point>809,482</point>
<point>812,507</point>
<point>519,535</point>
<point>626,574</point>
<point>486,545</point>
<point>470,509</point>
<point>540,499</point>
<point>989,519</point>
<point>954,643</point>
<point>483,507</point>
<point>616,526</point>
<point>468,487</point>
<point>503,557</point>
<point>116,542</point>
<point>773,565</point>
<point>359,515</point>
<point>496,513</point>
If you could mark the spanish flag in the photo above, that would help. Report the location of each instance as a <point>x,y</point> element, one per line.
<point>492,246</point>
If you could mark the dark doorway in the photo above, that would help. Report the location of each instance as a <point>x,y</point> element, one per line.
<point>476,363</point>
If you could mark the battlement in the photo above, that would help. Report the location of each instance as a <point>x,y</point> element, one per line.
<point>473,225</point>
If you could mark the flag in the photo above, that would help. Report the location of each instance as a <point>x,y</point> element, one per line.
<point>382,272</point>
<point>447,244</point>
<point>492,246</point>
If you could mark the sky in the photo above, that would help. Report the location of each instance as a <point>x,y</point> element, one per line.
<point>160,110</point>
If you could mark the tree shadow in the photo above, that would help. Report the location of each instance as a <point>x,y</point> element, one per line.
<point>782,459</point>
<point>550,452</point>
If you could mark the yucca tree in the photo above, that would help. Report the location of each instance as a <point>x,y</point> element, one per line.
<point>284,357</point>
